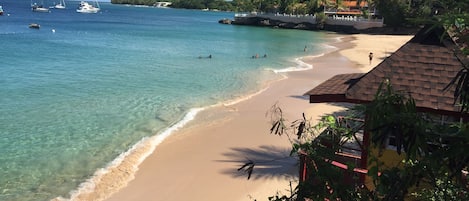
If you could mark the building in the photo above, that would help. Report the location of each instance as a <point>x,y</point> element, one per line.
<point>348,8</point>
<point>424,67</point>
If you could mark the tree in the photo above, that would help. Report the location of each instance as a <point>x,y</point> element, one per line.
<point>435,164</point>
<point>393,11</point>
<point>366,11</point>
<point>435,156</point>
<point>452,16</point>
<point>315,6</point>
<point>432,169</point>
<point>244,5</point>
<point>270,6</point>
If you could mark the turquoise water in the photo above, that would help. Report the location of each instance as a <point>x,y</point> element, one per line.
<point>85,88</point>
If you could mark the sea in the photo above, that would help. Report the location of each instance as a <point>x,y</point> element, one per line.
<point>83,89</point>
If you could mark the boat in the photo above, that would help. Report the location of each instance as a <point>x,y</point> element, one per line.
<point>1,10</point>
<point>86,7</point>
<point>38,8</point>
<point>60,5</point>
<point>34,26</point>
<point>162,4</point>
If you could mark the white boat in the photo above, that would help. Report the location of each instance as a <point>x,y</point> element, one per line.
<point>38,8</point>
<point>60,5</point>
<point>1,10</point>
<point>85,7</point>
<point>162,4</point>
<point>34,26</point>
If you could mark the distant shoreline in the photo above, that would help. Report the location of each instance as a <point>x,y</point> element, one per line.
<point>260,21</point>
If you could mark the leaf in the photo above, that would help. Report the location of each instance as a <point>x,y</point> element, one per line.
<point>248,168</point>
<point>245,165</point>
<point>461,92</point>
<point>273,126</point>
<point>301,128</point>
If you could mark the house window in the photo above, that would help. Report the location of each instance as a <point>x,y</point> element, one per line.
<point>441,119</point>
<point>391,143</point>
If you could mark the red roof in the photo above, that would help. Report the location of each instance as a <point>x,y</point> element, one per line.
<point>349,3</point>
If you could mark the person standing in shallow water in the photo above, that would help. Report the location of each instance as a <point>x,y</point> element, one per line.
<point>370,56</point>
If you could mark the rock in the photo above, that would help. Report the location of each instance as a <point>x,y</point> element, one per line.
<point>225,21</point>
<point>264,23</point>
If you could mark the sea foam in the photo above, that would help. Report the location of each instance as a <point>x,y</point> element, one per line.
<point>122,169</point>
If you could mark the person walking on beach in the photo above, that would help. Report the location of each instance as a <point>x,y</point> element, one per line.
<point>370,56</point>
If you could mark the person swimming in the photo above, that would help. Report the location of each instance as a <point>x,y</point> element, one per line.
<point>208,57</point>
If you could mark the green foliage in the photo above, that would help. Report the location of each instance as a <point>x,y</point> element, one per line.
<point>461,92</point>
<point>267,6</point>
<point>244,6</point>
<point>392,114</point>
<point>320,144</point>
<point>135,2</point>
<point>189,4</point>
<point>445,190</point>
<point>321,19</point>
<point>393,11</point>
<point>202,4</point>
<point>456,21</point>
<point>436,154</point>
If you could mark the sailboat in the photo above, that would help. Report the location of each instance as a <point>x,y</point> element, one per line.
<point>60,5</point>
<point>39,7</point>
<point>86,7</point>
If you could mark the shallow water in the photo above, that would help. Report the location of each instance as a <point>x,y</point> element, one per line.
<point>85,88</point>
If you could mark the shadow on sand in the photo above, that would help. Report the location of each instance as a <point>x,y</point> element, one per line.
<point>304,97</point>
<point>269,162</point>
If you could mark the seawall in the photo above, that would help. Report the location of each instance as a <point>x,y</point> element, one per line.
<point>339,24</point>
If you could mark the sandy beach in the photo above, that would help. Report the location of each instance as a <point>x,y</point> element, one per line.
<point>200,160</point>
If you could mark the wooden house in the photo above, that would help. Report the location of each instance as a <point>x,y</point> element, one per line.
<point>423,68</point>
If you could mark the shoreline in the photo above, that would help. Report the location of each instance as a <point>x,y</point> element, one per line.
<point>215,141</point>
<point>124,166</point>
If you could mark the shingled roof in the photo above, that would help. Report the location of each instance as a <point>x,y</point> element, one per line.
<point>423,68</point>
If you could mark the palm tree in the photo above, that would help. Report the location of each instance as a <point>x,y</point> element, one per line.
<point>369,3</point>
<point>316,5</point>
<point>339,4</point>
